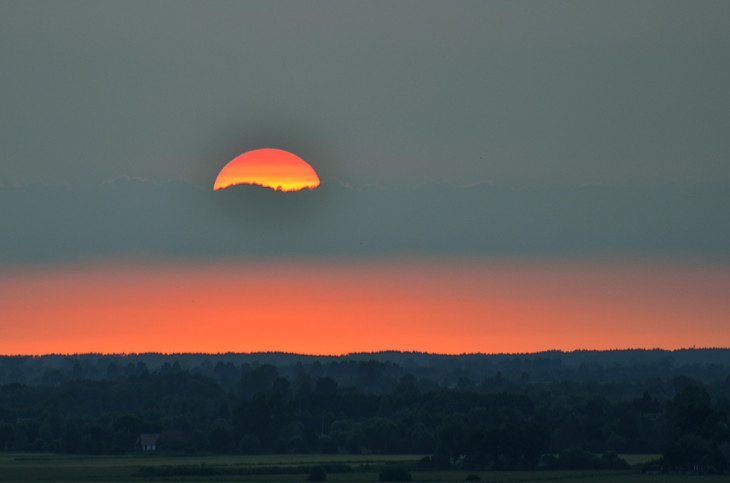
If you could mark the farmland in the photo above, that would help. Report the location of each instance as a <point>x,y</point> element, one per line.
<point>352,468</point>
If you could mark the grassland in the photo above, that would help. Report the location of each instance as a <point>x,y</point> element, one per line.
<point>52,468</point>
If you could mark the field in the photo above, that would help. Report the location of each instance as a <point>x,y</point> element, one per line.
<point>48,467</point>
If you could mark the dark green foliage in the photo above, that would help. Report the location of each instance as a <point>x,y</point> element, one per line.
<point>472,478</point>
<point>692,453</point>
<point>394,474</point>
<point>249,444</point>
<point>317,473</point>
<point>469,412</point>
<point>612,461</point>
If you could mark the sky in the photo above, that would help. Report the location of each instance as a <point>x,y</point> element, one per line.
<point>453,306</point>
<point>519,175</point>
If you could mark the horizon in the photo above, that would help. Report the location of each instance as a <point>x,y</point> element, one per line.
<point>372,353</point>
<point>381,240</point>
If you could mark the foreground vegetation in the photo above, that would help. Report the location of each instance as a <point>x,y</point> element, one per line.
<point>465,413</point>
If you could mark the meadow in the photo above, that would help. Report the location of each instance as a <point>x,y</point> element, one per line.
<point>77,468</point>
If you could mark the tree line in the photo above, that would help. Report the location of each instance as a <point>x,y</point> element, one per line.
<point>500,421</point>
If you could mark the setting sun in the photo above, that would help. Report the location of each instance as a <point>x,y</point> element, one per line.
<point>271,168</point>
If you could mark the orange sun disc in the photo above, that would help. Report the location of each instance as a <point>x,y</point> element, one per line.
<point>271,168</point>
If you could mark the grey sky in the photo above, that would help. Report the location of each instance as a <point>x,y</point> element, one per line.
<point>395,93</point>
<point>177,220</point>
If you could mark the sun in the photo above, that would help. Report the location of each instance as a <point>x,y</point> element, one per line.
<point>269,167</point>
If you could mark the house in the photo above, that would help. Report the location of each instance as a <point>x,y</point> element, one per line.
<point>148,441</point>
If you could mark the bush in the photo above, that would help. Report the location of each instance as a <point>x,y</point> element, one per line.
<point>472,478</point>
<point>395,474</point>
<point>612,461</point>
<point>317,473</point>
<point>695,454</point>
<point>249,444</point>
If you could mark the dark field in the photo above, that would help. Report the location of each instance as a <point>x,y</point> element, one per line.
<point>49,467</point>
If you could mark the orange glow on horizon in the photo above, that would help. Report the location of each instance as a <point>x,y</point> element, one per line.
<point>271,168</point>
<point>327,308</point>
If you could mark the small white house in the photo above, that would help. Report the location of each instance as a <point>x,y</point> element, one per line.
<point>148,441</point>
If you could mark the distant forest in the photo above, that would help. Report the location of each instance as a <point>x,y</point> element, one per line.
<point>546,410</point>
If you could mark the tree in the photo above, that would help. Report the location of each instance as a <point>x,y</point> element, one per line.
<point>317,473</point>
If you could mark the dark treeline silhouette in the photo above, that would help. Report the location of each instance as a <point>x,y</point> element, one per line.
<point>549,410</point>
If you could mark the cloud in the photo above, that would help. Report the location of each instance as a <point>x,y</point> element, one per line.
<point>177,219</point>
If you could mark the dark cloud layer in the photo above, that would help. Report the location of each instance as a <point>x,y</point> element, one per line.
<point>180,220</point>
